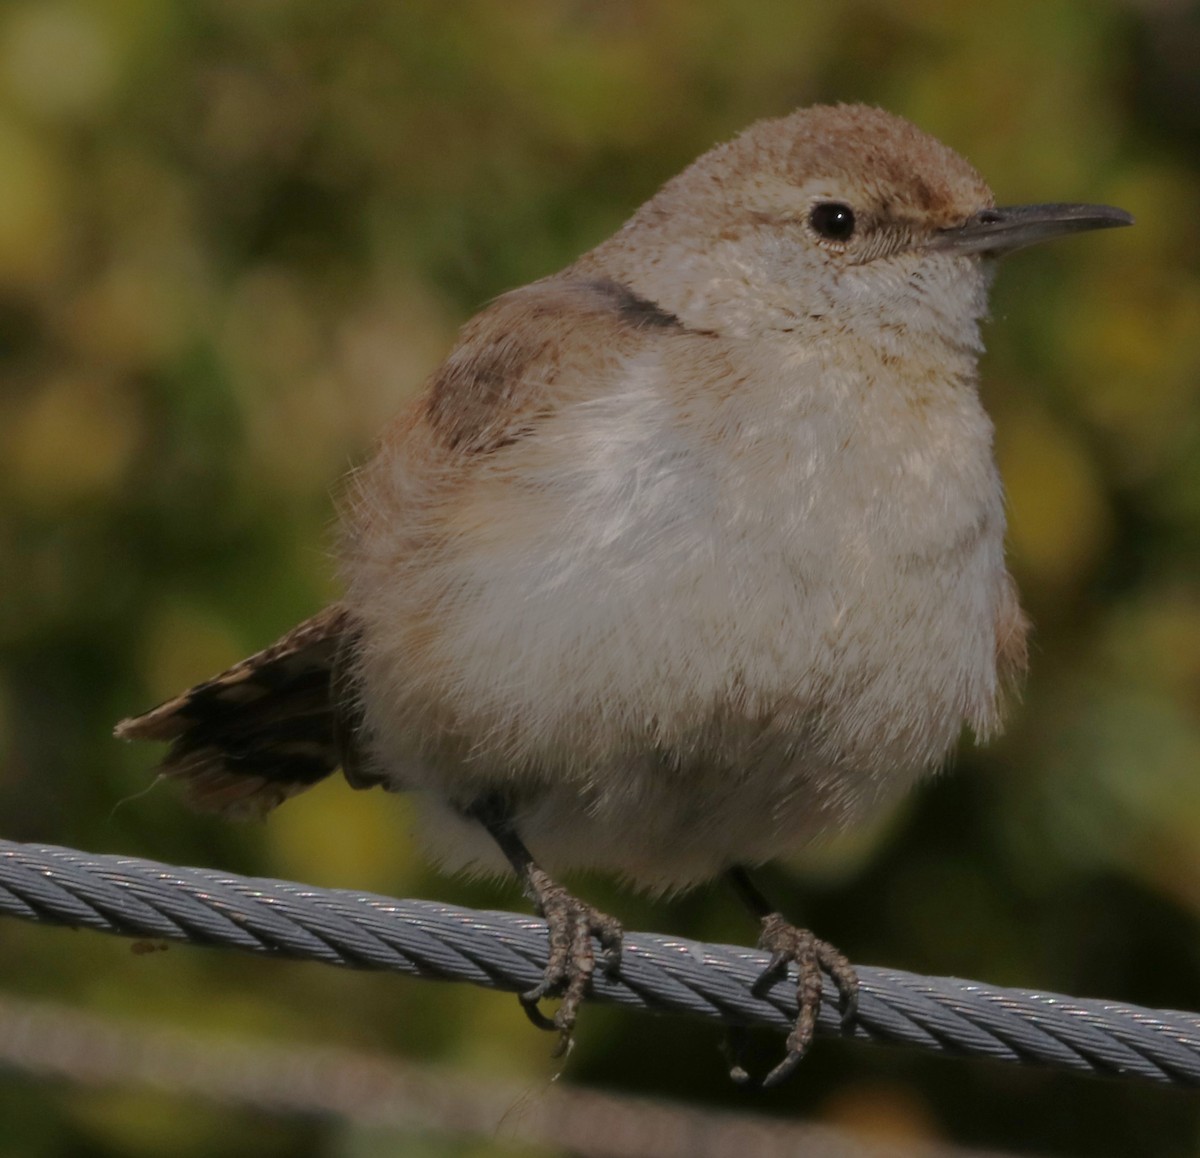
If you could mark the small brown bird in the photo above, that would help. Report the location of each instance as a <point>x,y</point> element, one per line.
<point>686,555</point>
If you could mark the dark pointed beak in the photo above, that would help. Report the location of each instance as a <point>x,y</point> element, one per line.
<point>997,231</point>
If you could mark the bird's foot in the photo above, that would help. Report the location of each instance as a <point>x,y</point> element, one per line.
<point>788,944</point>
<point>572,923</point>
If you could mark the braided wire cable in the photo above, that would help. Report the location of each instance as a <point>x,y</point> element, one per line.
<point>138,898</point>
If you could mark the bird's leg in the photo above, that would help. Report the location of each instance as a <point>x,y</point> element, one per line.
<point>787,943</point>
<point>572,924</point>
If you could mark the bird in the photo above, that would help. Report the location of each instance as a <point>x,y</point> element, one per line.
<point>686,555</point>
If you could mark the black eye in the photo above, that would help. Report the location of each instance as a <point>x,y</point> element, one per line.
<point>832,220</point>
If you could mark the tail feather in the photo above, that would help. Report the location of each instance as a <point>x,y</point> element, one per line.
<point>269,727</point>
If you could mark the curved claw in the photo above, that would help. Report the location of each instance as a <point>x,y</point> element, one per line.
<point>529,1002</point>
<point>772,972</point>
<point>783,1070</point>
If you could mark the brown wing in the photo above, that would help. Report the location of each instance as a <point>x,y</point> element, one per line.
<point>269,727</point>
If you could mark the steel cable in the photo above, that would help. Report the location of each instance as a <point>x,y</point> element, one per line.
<point>130,897</point>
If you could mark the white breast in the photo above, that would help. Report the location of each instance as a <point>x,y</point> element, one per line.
<point>705,637</point>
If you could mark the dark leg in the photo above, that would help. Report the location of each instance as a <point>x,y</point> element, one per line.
<point>572,924</point>
<point>787,943</point>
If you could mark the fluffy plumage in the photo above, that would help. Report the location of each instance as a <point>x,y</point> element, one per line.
<point>688,553</point>
<point>685,556</point>
<point>696,548</point>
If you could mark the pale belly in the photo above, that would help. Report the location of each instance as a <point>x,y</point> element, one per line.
<point>668,666</point>
<point>729,716</point>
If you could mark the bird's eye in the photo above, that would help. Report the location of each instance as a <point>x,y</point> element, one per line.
<point>832,220</point>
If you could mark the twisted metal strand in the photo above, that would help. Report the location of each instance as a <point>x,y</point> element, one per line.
<point>130,897</point>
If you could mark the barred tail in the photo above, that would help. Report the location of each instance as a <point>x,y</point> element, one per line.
<point>266,729</point>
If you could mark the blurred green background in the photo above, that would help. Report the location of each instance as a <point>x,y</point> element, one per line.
<point>234,236</point>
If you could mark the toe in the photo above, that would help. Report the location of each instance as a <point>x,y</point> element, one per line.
<point>844,978</point>
<point>571,925</point>
<point>788,944</point>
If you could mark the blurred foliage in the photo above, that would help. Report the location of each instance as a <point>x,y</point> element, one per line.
<point>234,236</point>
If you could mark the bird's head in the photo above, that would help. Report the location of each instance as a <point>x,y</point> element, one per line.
<point>834,219</point>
